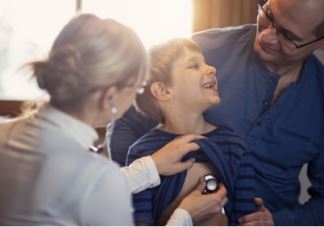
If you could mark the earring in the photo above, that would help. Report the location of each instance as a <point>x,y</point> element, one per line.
<point>113,108</point>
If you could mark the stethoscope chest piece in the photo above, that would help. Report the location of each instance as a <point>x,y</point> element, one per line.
<point>211,184</point>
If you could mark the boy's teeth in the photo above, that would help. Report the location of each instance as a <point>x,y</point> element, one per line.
<point>208,86</point>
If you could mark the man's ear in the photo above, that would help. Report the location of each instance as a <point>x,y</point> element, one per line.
<point>160,91</point>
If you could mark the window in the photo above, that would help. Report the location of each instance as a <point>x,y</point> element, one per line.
<point>153,20</point>
<point>28,29</point>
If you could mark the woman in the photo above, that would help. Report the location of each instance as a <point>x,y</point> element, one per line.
<point>47,175</point>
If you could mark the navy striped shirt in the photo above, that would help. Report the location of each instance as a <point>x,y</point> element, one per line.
<point>224,150</point>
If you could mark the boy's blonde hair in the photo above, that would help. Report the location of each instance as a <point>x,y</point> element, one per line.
<point>162,57</point>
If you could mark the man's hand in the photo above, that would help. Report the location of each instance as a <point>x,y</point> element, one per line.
<point>204,206</point>
<point>261,217</point>
<point>168,158</point>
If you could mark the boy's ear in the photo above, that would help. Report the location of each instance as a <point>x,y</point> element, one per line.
<point>160,91</point>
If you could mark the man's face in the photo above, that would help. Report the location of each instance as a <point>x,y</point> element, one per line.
<point>283,24</point>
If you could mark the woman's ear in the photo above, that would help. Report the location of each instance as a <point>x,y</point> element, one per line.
<point>160,91</point>
<point>107,97</point>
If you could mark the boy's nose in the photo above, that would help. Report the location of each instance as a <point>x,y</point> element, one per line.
<point>211,70</point>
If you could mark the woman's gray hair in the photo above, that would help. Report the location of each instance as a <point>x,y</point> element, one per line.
<point>90,54</point>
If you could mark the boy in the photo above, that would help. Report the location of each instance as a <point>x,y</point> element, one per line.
<point>181,86</point>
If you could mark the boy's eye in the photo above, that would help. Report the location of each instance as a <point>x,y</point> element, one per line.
<point>193,66</point>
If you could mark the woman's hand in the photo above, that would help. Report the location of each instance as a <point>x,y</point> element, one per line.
<point>168,158</point>
<point>203,206</point>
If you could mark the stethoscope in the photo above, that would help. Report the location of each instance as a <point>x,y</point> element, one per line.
<point>212,184</point>
<point>101,147</point>
<point>97,149</point>
<point>109,130</point>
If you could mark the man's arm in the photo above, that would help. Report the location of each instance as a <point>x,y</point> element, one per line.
<point>310,213</point>
<point>126,131</point>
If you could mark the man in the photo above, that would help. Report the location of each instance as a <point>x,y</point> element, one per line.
<point>272,93</point>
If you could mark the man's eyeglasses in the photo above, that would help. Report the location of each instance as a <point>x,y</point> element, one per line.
<point>264,11</point>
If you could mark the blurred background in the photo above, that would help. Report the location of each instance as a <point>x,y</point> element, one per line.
<point>28,28</point>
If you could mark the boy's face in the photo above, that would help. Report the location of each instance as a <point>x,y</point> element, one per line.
<point>193,82</point>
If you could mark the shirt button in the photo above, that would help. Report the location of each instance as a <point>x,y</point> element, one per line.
<point>266,103</point>
<point>258,123</point>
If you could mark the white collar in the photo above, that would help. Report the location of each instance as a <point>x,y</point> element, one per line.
<point>81,132</point>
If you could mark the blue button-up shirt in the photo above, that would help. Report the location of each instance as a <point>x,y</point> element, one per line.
<point>283,135</point>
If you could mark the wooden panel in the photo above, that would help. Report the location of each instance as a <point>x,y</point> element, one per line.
<point>10,108</point>
<point>222,13</point>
